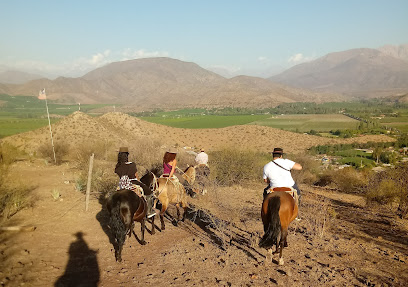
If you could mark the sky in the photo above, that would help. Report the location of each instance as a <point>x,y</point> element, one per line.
<point>70,38</point>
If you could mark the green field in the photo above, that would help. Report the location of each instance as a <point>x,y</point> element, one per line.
<point>400,123</point>
<point>10,125</point>
<point>20,114</point>
<point>204,121</point>
<point>307,122</point>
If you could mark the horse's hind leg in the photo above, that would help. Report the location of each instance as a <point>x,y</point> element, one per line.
<point>178,211</point>
<point>162,211</point>
<point>142,227</point>
<point>283,244</point>
<point>153,228</point>
<point>268,259</point>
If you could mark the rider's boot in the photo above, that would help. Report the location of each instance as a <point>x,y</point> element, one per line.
<point>298,216</point>
<point>150,204</point>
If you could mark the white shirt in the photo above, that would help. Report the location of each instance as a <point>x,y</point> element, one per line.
<point>201,158</point>
<point>278,177</point>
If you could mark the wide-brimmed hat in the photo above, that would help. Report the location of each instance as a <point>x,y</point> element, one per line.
<point>123,149</point>
<point>172,150</point>
<point>277,150</point>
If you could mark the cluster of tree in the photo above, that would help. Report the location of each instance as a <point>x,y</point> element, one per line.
<point>381,151</point>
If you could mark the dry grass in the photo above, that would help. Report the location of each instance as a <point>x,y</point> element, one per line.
<point>14,196</point>
<point>390,188</point>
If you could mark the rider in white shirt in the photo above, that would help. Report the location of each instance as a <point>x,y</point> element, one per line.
<point>201,158</point>
<point>277,172</point>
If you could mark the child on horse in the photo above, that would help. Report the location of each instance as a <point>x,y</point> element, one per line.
<point>128,178</point>
<point>277,173</point>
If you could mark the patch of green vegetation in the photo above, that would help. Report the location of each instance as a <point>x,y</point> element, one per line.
<point>204,122</point>
<point>307,122</point>
<point>357,162</point>
<point>25,113</point>
<point>10,126</point>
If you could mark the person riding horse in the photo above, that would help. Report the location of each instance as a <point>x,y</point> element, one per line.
<point>277,173</point>
<point>170,165</point>
<point>128,178</point>
<point>202,170</point>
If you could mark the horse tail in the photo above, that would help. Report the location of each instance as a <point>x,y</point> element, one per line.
<point>273,227</point>
<point>120,221</point>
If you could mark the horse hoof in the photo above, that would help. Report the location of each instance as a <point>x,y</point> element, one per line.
<point>281,261</point>
<point>143,242</point>
<point>175,222</point>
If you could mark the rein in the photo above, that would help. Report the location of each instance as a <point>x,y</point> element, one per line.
<point>190,177</point>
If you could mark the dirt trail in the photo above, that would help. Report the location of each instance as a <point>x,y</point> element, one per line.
<point>353,246</point>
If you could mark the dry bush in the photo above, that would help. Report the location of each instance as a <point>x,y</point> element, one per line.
<point>310,169</point>
<point>61,150</point>
<point>13,195</point>
<point>146,152</point>
<point>390,187</point>
<point>104,180</point>
<point>101,149</point>
<point>348,180</point>
<point>320,217</point>
<point>232,166</point>
<point>14,199</point>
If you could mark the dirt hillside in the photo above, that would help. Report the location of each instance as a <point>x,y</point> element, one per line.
<point>118,129</point>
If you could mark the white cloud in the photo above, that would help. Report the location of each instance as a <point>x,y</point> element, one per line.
<point>263,59</point>
<point>79,66</point>
<point>299,58</point>
<point>129,54</point>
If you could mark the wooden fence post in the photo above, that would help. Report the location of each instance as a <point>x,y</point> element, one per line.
<point>88,186</point>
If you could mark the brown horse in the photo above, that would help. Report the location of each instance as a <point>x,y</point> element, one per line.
<point>279,209</point>
<point>173,192</point>
<point>125,207</point>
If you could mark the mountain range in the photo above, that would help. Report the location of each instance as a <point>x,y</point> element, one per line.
<point>353,73</point>
<point>169,83</point>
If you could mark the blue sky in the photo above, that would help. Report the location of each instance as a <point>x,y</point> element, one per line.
<point>72,37</point>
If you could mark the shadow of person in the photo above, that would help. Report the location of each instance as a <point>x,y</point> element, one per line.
<point>82,268</point>
<point>103,217</point>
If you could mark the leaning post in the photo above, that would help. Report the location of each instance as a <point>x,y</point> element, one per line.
<point>88,186</point>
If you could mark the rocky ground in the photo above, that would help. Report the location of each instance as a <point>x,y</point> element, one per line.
<point>338,242</point>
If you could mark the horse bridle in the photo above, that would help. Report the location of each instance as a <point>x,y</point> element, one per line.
<point>190,177</point>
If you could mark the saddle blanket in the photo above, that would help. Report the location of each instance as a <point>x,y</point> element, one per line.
<point>289,190</point>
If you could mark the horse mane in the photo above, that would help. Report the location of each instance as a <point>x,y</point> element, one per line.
<point>190,166</point>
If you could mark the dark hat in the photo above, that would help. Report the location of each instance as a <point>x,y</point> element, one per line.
<point>123,149</point>
<point>277,150</point>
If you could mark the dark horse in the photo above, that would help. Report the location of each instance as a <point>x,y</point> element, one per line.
<point>202,177</point>
<point>278,210</point>
<point>125,207</point>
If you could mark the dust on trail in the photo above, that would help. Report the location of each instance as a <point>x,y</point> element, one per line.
<point>339,241</point>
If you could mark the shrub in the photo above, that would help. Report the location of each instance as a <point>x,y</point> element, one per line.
<point>389,187</point>
<point>232,166</point>
<point>13,196</point>
<point>146,152</point>
<point>310,169</point>
<point>13,200</point>
<point>346,180</point>
<point>83,151</point>
<point>61,150</point>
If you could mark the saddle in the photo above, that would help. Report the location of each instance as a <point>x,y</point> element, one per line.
<point>289,190</point>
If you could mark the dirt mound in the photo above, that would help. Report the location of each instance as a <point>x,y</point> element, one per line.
<point>119,129</point>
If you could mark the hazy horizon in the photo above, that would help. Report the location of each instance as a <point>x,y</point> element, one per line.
<point>259,38</point>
